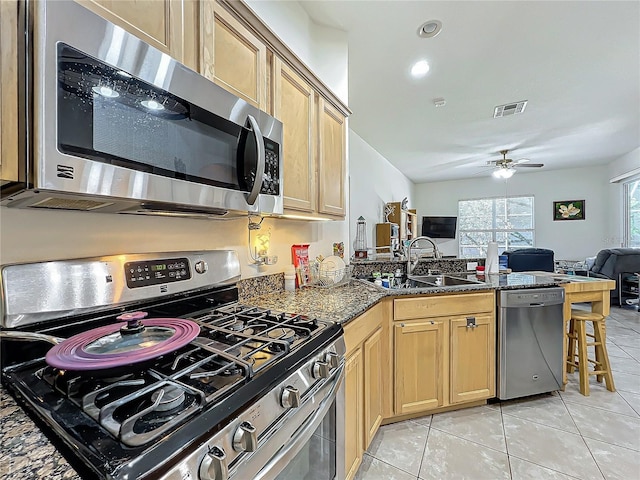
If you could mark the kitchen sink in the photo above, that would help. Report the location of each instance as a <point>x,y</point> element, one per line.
<point>442,280</point>
<point>430,281</point>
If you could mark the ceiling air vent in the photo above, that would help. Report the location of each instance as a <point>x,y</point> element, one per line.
<point>509,109</point>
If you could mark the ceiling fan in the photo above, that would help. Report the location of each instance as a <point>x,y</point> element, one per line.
<point>506,167</point>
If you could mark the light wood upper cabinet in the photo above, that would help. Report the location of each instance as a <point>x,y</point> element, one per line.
<point>420,351</point>
<point>331,161</point>
<point>353,392</point>
<point>232,56</point>
<point>294,107</point>
<point>169,25</point>
<point>472,358</point>
<point>8,91</point>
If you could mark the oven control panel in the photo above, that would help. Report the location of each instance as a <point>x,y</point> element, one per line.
<point>154,272</point>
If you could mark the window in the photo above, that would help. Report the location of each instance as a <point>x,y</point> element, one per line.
<point>507,221</point>
<point>632,214</point>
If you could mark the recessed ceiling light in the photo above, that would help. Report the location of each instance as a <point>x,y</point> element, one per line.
<point>430,29</point>
<point>420,68</point>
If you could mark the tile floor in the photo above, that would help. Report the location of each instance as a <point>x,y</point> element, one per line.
<point>559,436</point>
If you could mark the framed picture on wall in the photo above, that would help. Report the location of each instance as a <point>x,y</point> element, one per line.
<point>569,210</point>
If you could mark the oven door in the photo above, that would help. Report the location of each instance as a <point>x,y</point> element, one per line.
<point>308,445</point>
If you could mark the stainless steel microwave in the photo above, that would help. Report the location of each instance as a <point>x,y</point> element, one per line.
<point>112,124</point>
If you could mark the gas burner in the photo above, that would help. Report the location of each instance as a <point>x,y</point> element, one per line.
<point>170,397</point>
<point>248,331</point>
<point>282,333</point>
<point>236,326</point>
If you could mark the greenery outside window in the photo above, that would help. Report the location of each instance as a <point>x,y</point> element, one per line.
<point>632,213</point>
<point>505,220</point>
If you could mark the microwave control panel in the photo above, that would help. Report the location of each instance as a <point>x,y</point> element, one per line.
<point>271,177</point>
<point>154,272</point>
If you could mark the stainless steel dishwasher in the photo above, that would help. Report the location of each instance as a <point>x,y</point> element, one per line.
<point>531,334</point>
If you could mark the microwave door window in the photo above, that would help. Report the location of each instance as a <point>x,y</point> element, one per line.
<point>108,116</point>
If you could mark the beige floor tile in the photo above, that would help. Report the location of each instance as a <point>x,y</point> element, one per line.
<point>479,424</point>
<point>426,420</point>
<point>621,430</point>
<point>599,397</point>
<point>627,382</point>
<point>374,469</point>
<point>632,399</point>
<point>624,365</point>
<point>549,447</point>
<point>451,457</point>
<point>616,351</point>
<point>616,463</point>
<point>545,409</point>
<point>630,339</point>
<point>401,445</point>
<point>523,470</point>
<point>633,351</point>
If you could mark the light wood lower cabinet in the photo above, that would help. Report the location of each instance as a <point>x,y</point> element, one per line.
<point>440,359</point>
<point>420,348</point>
<point>472,358</point>
<point>366,338</point>
<point>353,387</point>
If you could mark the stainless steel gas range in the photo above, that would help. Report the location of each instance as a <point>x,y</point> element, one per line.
<point>158,372</point>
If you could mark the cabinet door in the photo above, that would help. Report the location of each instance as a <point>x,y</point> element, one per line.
<point>372,353</point>
<point>168,25</point>
<point>294,107</point>
<point>353,413</point>
<point>331,160</point>
<point>472,358</point>
<point>232,56</point>
<point>420,351</point>
<point>8,91</point>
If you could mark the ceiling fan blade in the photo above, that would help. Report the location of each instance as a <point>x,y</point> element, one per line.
<point>529,165</point>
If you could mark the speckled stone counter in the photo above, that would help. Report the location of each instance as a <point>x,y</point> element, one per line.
<point>338,304</point>
<point>25,453</point>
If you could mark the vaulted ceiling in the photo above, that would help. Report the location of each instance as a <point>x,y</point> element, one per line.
<point>577,63</point>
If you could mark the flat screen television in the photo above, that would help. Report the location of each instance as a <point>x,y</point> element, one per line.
<point>439,227</point>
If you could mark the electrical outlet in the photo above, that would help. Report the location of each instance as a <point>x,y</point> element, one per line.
<point>471,266</point>
<point>271,260</point>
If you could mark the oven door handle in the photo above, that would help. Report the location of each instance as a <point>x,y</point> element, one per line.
<point>302,435</point>
<point>261,160</point>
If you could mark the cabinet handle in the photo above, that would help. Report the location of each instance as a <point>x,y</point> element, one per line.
<point>471,322</point>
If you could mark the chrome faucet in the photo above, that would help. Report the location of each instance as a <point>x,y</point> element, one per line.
<point>412,265</point>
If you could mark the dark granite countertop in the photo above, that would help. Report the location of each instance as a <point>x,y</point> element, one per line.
<point>25,453</point>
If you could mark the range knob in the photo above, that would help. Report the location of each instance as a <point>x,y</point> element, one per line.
<point>290,397</point>
<point>201,266</point>
<point>245,439</point>
<point>333,359</point>
<point>321,370</point>
<point>214,465</point>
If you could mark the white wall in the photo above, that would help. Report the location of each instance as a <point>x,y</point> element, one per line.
<point>570,240</point>
<point>323,49</point>
<point>373,182</point>
<point>28,235</point>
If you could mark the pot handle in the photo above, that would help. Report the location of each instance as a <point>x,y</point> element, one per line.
<point>30,336</point>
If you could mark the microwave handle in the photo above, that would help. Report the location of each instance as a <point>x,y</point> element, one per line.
<point>257,184</point>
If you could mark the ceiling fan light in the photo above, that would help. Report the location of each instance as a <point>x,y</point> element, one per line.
<point>503,173</point>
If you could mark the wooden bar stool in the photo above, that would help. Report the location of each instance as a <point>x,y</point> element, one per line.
<point>577,337</point>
